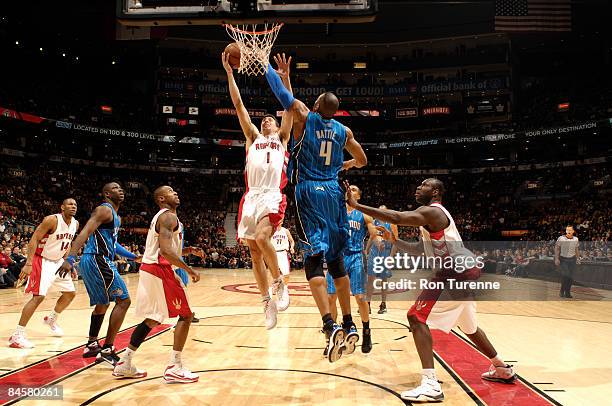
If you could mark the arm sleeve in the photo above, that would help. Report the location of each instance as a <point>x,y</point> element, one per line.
<point>121,251</point>
<point>283,95</point>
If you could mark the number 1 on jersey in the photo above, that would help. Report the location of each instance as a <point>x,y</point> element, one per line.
<point>326,151</point>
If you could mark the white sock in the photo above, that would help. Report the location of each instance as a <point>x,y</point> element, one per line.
<point>20,329</point>
<point>175,357</point>
<point>497,361</point>
<point>129,353</point>
<point>430,373</point>
<point>53,315</point>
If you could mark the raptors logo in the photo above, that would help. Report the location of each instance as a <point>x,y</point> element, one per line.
<point>177,304</point>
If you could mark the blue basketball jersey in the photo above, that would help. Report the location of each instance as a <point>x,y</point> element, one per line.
<point>357,231</point>
<point>102,241</point>
<point>319,154</point>
<point>386,251</point>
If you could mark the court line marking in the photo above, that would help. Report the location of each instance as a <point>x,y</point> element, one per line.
<point>49,358</point>
<point>523,380</point>
<point>391,391</point>
<point>63,378</point>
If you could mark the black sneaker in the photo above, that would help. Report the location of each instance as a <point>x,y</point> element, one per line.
<point>326,350</point>
<point>366,344</point>
<point>108,355</point>
<point>194,319</point>
<point>91,350</point>
<point>383,308</point>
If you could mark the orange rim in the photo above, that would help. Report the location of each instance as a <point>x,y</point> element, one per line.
<point>275,28</point>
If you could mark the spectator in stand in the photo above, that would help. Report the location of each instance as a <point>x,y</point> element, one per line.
<point>7,280</point>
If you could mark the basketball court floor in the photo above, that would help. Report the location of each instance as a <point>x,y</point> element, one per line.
<point>561,351</point>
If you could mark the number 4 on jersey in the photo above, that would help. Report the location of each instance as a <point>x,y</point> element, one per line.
<point>326,151</point>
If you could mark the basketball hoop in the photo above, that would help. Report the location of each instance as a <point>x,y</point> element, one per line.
<point>255,46</point>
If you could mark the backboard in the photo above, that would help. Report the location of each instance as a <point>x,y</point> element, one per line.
<point>212,12</point>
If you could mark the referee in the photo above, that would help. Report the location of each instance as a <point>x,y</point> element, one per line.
<point>566,255</point>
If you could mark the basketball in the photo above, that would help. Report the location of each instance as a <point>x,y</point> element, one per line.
<point>234,55</point>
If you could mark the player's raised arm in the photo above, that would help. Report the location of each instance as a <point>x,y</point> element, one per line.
<point>248,128</point>
<point>167,224</point>
<point>283,68</point>
<point>286,99</point>
<point>47,226</point>
<point>354,148</point>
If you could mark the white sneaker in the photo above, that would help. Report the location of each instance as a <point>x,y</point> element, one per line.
<point>125,369</point>
<point>503,374</point>
<point>56,330</point>
<point>429,391</point>
<point>19,340</point>
<point>179,374</point>
<point>270,310</point>
<point>282,294</point>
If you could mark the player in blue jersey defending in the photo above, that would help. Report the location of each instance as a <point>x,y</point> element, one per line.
<point>376,251</point>
<point>360,225</point>
<point>100,275</point>
<point>322,218</point>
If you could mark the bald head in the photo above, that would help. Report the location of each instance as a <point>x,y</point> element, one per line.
<point>160,192</point>
<point>438,185</point>
<point>327,104</point>
<point>165,196</point>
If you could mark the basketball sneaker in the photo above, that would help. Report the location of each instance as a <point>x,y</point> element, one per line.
<point>179,374</point>
<point>366,344</point>
<point>429,391</point>
<point>270,310</point>
<point>56,330</point>
<point>282,294</point>
<point>91,349</point>
<point>503,374</point>
<point>383,308</point>
<point>108,355</point>
<point>326,350</point>
<point>125,369</point>
<point>19,340</point>
<point>350,340</point>
<point>335,338</point>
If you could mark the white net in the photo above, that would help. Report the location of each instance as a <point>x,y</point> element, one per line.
<point>255,46</point>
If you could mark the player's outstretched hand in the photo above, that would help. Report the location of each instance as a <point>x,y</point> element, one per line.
<point>386,234</point>
<point>283,65</point>
<point>64,269</point>
<point>225,61</point>
<point>350,199</point>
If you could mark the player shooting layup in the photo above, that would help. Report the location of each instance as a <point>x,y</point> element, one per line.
<point>322,217</point>
<point>263,205</point>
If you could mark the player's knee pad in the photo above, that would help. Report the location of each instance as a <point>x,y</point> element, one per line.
<point>336,268</point>
<point>313,266</point>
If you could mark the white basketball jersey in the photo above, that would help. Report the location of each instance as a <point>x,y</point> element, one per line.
<point>266,163</point>
<point>55,245</point>
<point>151,254</point>
<point>280,240</point>
<point>443,243</point>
